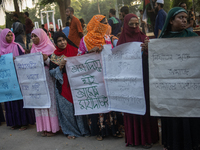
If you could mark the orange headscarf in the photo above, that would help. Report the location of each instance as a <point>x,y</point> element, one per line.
<point>96,32</point>
<point>109,30</point>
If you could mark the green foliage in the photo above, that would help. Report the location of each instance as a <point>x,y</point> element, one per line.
<point>2,27</point>
<point>167,5</point>
<point>176,2</point>
<point>34,13</point>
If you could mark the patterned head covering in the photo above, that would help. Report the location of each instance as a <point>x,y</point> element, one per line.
<point>45,45</point>
<point>96,32</point>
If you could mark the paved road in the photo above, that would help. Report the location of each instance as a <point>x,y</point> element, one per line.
<point>31,140</point>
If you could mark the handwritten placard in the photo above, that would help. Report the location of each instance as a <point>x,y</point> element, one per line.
<point>123,77</point>
<point>175,77</point>
<point>9,86</point>
<point>32,80</point>
<point>85,75</point>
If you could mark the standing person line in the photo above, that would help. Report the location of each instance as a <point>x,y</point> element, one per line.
<point>139,130</point>
<point>46,119</point>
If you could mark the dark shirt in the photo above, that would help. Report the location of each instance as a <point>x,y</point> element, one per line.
<point>29,25</point>
<point>160,20</point>
<point>116,28</point>
<point>44,30</point>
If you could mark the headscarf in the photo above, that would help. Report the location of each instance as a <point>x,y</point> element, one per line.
<point>20,37</point>
<point>45,45</point>
<point>6,47</point>
<point>0,31</point>
<point>173,12</point>
<point>96,31</point>
<point>70,50</point>
<point>130,34</point>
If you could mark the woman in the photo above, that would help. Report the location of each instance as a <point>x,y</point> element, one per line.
<point>16,115</point>
<point>20,36</point>
<point>179,133</point>
<point>1,111</point>
<point>100,125</point>
<point>72,126</point>
<point>46,119</point>
<point>139,130</point>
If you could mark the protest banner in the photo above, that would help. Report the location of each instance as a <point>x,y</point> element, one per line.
<point>123,75</point>
<point>32,80</point>
<point>174,77</point>
<point>87,86</point>
<point>9,86</point>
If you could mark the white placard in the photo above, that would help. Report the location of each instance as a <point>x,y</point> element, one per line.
<point>123,77</point>
<point>85,75</point>
<point>174,72</point>
<point>32,80</point>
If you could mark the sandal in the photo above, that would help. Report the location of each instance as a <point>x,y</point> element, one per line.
<point>15,127</point>
<point>49,134</point>
<point>99,138</point>
<point>71,137</point>
<point>44,133</point>
<point>23,128</point>
<point>147,146</point>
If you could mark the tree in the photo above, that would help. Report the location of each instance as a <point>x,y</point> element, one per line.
<point>63,4</point>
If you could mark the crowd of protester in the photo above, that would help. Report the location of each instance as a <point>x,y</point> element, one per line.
<point>77,39</point>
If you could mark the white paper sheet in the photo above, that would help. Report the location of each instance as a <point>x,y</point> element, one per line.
<point>123,77</point>
<point>174,74</point>
<point>85,75</point>
<point>32,80</point>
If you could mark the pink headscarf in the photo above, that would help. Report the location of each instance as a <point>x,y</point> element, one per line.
<point>45,45</point>
<point>6,47</point>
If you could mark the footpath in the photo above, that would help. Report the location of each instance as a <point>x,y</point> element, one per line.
<point>31,140</point>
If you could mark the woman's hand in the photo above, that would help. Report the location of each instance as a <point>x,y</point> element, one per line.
<point>45,57</point>
<point>62,64</point>
<point>145,45</point>
<point>96,49</point>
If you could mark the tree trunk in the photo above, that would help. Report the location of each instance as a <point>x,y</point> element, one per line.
<point>63,4</point>
<point>16,6</point>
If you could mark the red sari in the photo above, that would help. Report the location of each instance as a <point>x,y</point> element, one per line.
<point>139,130</point>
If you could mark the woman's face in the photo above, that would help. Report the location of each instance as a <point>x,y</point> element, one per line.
<point>105,21</point>
<point>179,23</point>
<point>35,39</point>
<point>9,37</point>
<point>133,22</point>
<point>61,43</point>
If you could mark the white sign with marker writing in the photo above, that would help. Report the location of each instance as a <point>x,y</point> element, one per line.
<point>85,75</point>
<point>32,80</point>
<point>174,72</point>
<point>123,77</point>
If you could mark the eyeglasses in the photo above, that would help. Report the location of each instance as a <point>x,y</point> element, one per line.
<point>133,24</point>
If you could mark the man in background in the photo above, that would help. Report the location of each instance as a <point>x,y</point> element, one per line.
<point>44,28</point>
<point>143,23</point>
<point>28,28</point>
<point>67,28</point>
<point>16,18</point>
<point>160,18</point>
<point>190,19</point>
<point>76,31</point>
<point>114,22</point>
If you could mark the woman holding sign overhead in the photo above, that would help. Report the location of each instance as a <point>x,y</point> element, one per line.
<point>179,133</point>
<point>139,130</point>
<point>101,125</point>
<point>46,119</point>
<point>16,115</point>
<point>72,126</point>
